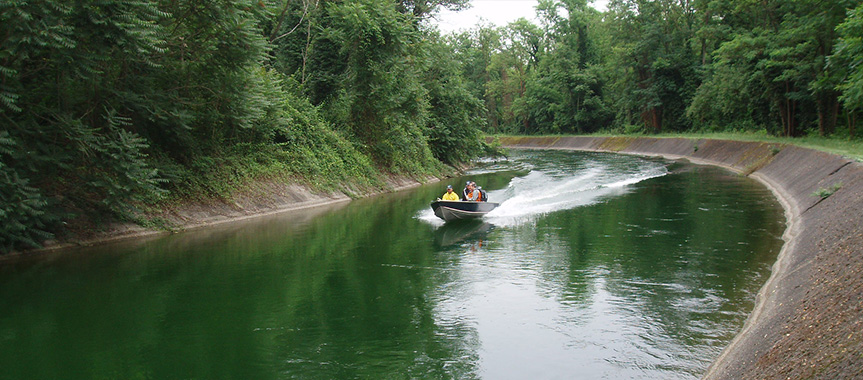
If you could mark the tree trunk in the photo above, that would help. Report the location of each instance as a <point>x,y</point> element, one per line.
<point>821,120</point>
<point>789,117</point>
<point>783,117</point>
<point>787,109</point>
<point>828,112</point>
<point>792,123</point>
<point>652,116</point>
<point>506,96</point>
<point>653,119</point>
<point>835,114</point>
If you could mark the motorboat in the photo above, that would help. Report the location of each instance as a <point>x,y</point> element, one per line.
<point>457,210</point>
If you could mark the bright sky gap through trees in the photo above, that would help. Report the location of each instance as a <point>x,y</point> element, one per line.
<point>495,12</point>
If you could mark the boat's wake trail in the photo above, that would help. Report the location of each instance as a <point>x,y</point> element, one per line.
<point>540,192</point>
<point>561,186</point>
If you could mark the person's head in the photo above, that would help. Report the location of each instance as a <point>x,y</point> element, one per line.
<point>448,188</point>
<point>473,185</point>
<point>467,184</point>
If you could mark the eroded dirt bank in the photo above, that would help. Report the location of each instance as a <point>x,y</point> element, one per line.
<point>808,317</point>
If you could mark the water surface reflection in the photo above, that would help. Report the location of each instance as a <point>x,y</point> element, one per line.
<point>648,279</point>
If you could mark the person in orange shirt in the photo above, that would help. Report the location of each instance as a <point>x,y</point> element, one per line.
<point>472,193</point>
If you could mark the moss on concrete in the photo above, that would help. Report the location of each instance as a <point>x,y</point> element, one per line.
<point>616,144</point>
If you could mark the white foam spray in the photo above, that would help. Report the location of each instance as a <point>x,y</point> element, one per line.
<point>548,188</point>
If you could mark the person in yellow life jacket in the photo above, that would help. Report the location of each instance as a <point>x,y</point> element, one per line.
<point>450,195</point>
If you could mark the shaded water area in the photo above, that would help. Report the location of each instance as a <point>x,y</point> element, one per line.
<point>594,266</point>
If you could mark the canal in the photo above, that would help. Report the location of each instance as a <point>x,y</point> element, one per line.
<point>594,266</point>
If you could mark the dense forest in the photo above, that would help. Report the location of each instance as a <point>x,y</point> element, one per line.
<point>108,107</point>
<point>781,67</point>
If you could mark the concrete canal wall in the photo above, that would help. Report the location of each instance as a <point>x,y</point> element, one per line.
<point>808,318</point>
<point>260,199</point>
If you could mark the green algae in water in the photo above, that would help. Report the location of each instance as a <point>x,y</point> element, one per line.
<point>597,266</point>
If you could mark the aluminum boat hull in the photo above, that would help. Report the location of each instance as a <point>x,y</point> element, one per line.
<point>459,210</point>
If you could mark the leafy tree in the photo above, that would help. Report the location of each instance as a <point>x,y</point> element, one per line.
<point>538,78</point>
<point>739,91</point>
<point>422,9</point>
<point>777,54</point>
<point>507,74</point>
<point>290,32</point>
<point>310,146</point>
<point>378,94</point>
<point>476,50</point>
<point>655,72</point>
<point>210,93</point>
<point>455,112</point>
<point>23,208</point>
<point>69,73</point>
<point>847,60</point>
<point>566,92</point>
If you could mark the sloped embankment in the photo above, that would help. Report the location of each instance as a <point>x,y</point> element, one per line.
<point>259,199</point>
<point>808,316</point>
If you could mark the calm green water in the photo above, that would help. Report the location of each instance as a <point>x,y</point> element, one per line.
<point>595,266</point>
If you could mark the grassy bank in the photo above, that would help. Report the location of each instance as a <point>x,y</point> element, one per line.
<point>852,149</point>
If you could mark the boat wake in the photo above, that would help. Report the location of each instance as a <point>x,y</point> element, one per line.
<point>549,188</point>
<point>539,193</point>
